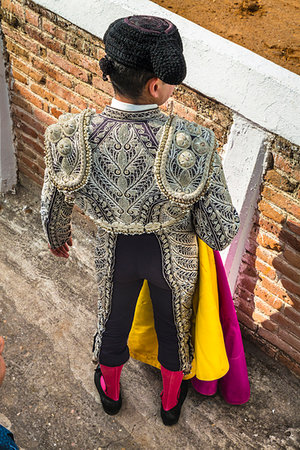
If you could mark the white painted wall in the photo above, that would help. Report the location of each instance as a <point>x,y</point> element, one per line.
<point>257,89</point>
<point>244,166</point>
<point>8,168</point>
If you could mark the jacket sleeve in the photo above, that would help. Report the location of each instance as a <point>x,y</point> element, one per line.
<point>215,219</point>
<point>55,214</point>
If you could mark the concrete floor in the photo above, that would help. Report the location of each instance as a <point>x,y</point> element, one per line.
<point>48,400</point>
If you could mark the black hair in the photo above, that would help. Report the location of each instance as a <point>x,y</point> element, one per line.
<point>126,81</point>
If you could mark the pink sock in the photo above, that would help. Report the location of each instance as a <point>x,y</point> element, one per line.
<point>171,388</point>
<point>110,381</point>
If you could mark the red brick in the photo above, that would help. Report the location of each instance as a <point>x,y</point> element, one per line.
<point>286,324</point>
<point>102,85</point>
<point>279,343</point>
<point>100,98</point>
<point>45,94</point>
<point>242,293</point>
<point>66,94</point>
<point>294,226</point>
<point>248,258</point>
<point>47,41</point>
<point>266,255</point>
<point>266,302</point>
<point>287,165</point>
<point>26,171</point>
<point>291,239</point>
<point>246,307</point>
<point>184,111</point>
<point>289,363</point>
<point>83,61</point>
<point>67,66</point>
<point>16,49</point>
<point>271,211</point>
<point>251,246</point>
<point>57,74</point>
<point>270,226</point>
<point>19,76</point>
<point>284,201</point>
<point>32,164</point>
<point>26,129</point>
<point>54,29</point>
<point>291,314</point>
<point>292,257</point>
<point>248,270</point>
<point>275,289</point>
<point>32,17</point>
<point>20,101</point>
<point>280,181</point>
<point>290,339</point>
<point>15,8</point>
<point>27,69</point>
<point>285,268</point>
<point>55,112</point>
<point>43,117</point>
<point>247,282</point>
<point>26,93</point>
<point>34,145</point>
<point>264,268</point>
<point>21,39</point>
<point>28,118</point>
<point>75,110</point>
<point>246,320</point>
<point>268,241</point>
<point>264,321</point>
<point>290,286</point>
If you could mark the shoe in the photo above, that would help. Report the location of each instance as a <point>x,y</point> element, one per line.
<point>171,417</point>
<point>110,406</point>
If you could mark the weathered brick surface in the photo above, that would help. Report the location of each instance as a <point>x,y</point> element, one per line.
<point>54,69</point>
<point>273,250</point>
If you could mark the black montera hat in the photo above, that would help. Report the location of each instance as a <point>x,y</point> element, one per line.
<point>147,42</point>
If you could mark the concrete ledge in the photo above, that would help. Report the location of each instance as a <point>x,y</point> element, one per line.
<point>8,170</point>
<point>252,86</point>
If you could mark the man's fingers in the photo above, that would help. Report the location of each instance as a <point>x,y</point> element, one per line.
<point>65,247</point>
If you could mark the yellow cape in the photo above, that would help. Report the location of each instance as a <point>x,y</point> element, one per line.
<point>210,360</point>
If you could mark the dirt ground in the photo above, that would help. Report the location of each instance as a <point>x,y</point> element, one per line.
<point>270,28</point>
<point>48,400</point>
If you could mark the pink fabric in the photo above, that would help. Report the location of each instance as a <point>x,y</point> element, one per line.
<point>171,386</point>
<point>110,381</point>
<point>234,386</point>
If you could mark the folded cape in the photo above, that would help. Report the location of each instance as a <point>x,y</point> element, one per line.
<point>219,360</point>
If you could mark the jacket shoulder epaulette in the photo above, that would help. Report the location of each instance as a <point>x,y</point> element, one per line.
<point>68,152</point>
<point>184,159</point>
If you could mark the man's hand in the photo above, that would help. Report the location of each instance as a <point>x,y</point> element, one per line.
<point>63,250</point>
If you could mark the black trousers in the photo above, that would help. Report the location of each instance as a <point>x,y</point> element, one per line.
<point>138,257</point>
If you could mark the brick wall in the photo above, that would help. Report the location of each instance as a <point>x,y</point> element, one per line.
<point>268,287</point>
<point>53,68</point>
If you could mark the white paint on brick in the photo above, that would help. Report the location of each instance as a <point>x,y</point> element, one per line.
<point>244,165</point>
<point>8,168</point>
<point>250,85</point>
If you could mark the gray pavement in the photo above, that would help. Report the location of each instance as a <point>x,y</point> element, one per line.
<point>48,400</point>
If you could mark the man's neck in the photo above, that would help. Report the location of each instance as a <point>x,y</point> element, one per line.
<point>126,106</point>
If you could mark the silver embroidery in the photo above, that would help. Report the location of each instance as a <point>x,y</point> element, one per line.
<point>109,173</point>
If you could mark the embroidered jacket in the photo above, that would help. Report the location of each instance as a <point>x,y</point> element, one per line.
<point>134,173</point>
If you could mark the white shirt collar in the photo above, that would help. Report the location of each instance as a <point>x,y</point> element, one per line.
<point>130,106</point>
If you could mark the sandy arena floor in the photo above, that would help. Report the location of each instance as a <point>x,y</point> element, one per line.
<point>270,28</point>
